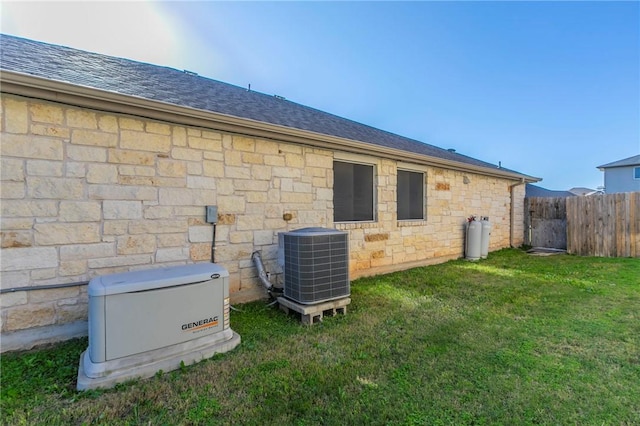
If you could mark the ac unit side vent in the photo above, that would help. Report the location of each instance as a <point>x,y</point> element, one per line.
<point>316,265</point>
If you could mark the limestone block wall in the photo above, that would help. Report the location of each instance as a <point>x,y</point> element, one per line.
<point>452,196</point>
<point>86,193</point>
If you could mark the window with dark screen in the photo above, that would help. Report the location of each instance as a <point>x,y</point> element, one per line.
<point>410,195</point>
<point>353,198</point>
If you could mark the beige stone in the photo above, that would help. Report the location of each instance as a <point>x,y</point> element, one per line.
<point>80,211</point>
<point>158,212</point>
<point>256,197</point>
<point>108,123</point>
<point>200,234</point>
<point>171,168</point>
<point>144,141</point>
<point>294,160</point>
<point>12,169</point>
<point>54,188</point>
<point>186,154</point>
<point>46,113</point>
<point>47,234</point>
<point>158,181</point>
<point>28,208</point>
<point>16,115</point>
<point>199,182</point>
<point>127,170</point>
<point>72,268</point>
<point>50,130</point>
<point>287,172</point>
<point>28,316</point>
<point>31,147</point>
<point>241,143</point>
<point>131,157</point>
<point>117,209</point>
<point>86,153</point>
<point>160,128</point>
<point>179,136</point>
<point>249,222</point>
<point>263,237</point>
<point>252,158</point>
<point>136,244</point>
<point>204,144</point>
<point>237,172</point>
<point>13,239</point>
<point>274,160</point>
<point>231,204</point>
<point>115,227</point>
<point>15,279</point>
<point>261,172</point>
<point>119,261</point>
<point>13,190</point>
<point>233,158</point>
<point>94,138</point>
<point>44,168</point>
<point>213,168</point>
<point>69,313</point>
<point>171,240</point>
<point>172,254</point>
<point>40,296</point>
<point>130,124</point>
<point>7,224</point>
<point>200,252</point>
<point>296,197</point>
<point>118,192</point>
<point>194,168</point>
<point>17,298</point>
<point>81,118</point>
<point>157,226</point>
<point>102,173</point>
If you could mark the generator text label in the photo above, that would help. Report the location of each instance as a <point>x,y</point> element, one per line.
<point>201,324</point>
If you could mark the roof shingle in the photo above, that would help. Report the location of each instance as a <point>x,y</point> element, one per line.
<point>185,89</point>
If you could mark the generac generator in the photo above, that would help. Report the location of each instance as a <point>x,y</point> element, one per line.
<point>144,321</point>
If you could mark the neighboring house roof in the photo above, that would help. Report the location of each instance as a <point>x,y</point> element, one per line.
<point>538,191</point>
<point>585,191</point>
<point>631,161</point>
<point>105,78</point>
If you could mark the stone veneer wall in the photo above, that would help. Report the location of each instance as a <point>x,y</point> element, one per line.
<point>86,193</point>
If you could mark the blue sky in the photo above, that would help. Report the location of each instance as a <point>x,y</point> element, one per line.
<point>550,89</point>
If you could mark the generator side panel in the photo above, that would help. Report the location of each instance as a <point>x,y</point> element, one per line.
<point>138,322</point>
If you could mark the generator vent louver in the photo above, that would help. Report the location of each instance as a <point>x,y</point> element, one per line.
<point>315,262</point>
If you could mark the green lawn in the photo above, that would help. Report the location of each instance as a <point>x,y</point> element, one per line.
<point>515,339</point>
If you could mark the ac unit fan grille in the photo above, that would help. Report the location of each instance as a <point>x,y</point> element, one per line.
<point>316,267</point>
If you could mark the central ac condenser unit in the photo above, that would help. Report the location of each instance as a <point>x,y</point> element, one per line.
<point>315,262</point>
<point>144,321</point>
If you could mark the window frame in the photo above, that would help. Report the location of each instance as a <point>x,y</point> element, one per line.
<point>374,200</point>
<point>424,194</point>
<point>636,172</point>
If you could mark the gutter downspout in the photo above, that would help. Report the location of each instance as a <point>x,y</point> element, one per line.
<point>513,211</point>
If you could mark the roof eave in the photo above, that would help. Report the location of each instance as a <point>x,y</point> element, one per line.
<point>102,100</point>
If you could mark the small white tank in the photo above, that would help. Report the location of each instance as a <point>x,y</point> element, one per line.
<point>473,247</point>
<point>486,232</point>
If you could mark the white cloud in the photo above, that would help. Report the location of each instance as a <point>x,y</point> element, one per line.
<point>134,30</point>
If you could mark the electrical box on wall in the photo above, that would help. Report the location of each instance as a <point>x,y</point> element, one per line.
<point>212,214</point>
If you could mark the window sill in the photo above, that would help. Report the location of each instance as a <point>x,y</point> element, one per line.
<point>404,223</point>
<point>356,225</point>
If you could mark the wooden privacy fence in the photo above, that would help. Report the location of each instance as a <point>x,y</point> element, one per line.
<point>604,225</point>
<point>546,222</point>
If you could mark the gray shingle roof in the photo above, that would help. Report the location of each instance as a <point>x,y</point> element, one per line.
<point>631,161</point>
<point>538,191</point>
<point>172,86</point>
